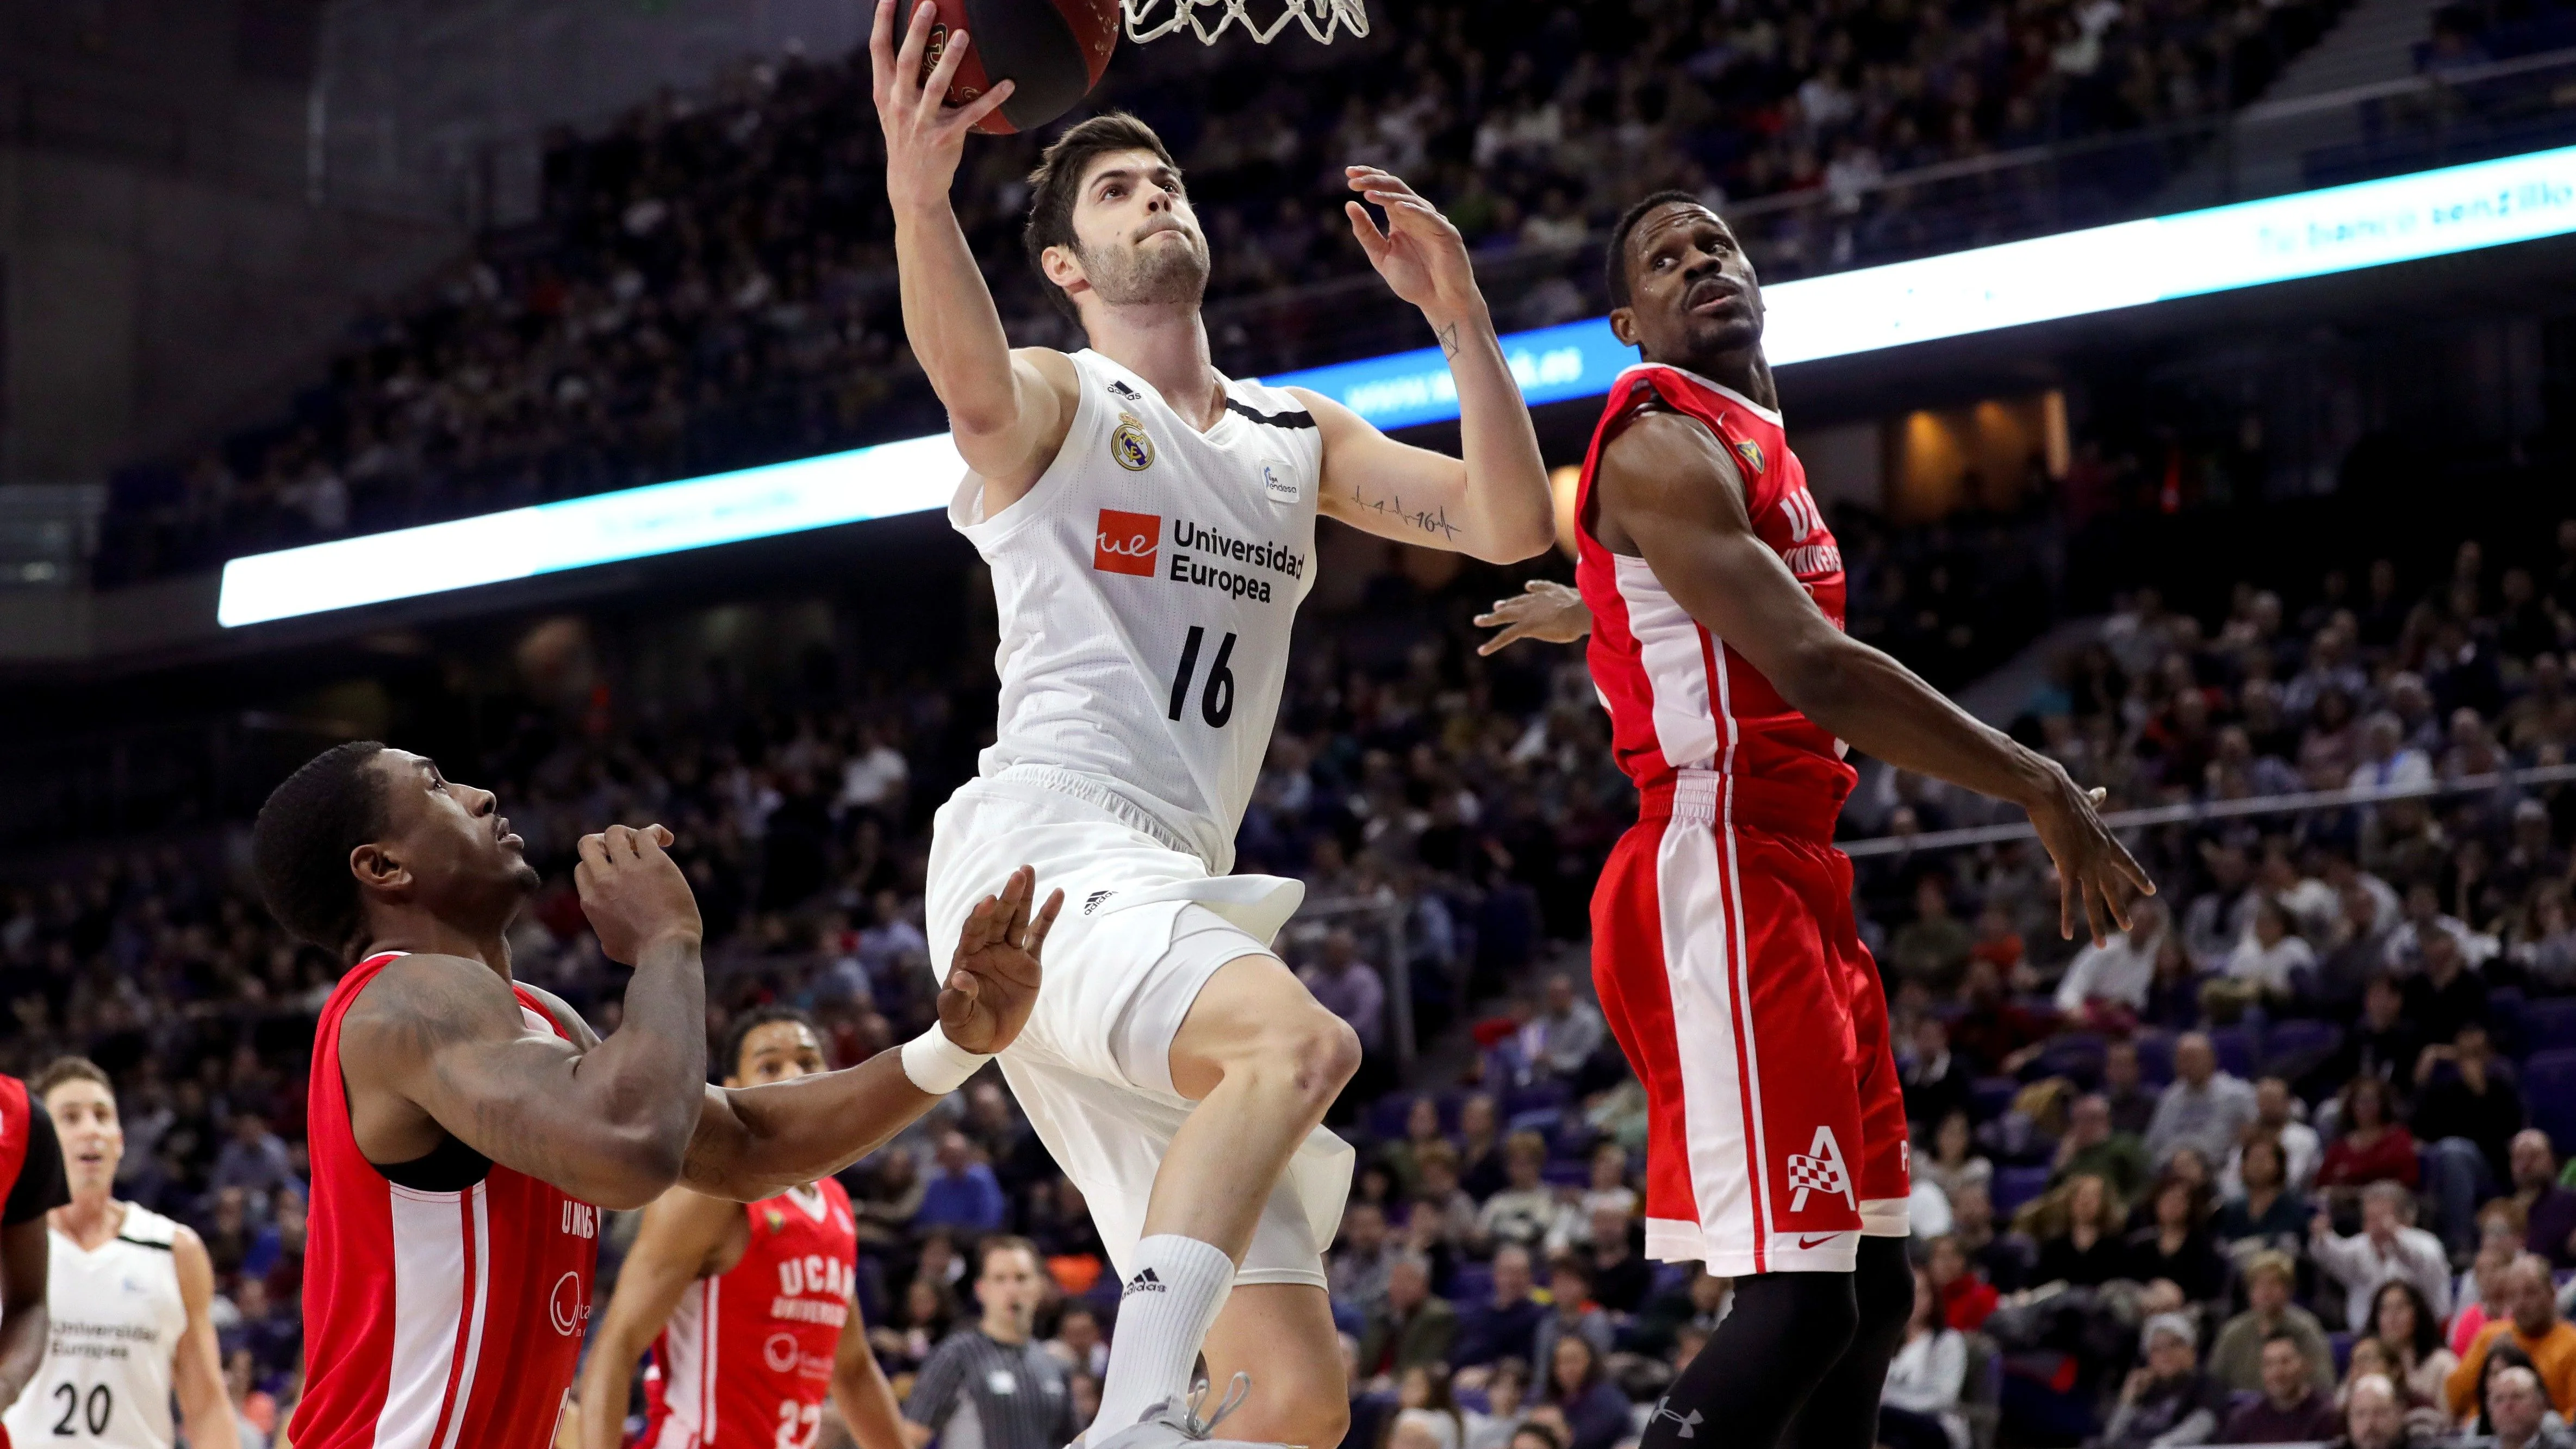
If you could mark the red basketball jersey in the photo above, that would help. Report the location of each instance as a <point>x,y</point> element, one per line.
<point>746,1359</point>
<point>433,1320</point>
<point>1680,697</point>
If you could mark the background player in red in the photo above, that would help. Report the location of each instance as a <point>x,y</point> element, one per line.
<point>32,1184</point>
<point>1724,946</point>
<point>466,1129</point>
<point>747,1309</point>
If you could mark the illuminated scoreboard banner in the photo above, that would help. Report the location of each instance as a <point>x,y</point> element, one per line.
<point>2046,279</point>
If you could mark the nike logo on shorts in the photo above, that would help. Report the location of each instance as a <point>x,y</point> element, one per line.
<point>1816,1242</point>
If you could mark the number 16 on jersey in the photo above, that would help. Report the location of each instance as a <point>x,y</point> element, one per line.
<point>1216,704</point>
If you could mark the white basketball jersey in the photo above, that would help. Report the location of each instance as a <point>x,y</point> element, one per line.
<point>116,1319</point>
<point>1146,587</point>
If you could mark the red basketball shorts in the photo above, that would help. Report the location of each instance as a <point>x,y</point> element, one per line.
<point>1729,968</point>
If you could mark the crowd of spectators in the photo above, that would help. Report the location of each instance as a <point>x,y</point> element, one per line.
<point>711,283</point>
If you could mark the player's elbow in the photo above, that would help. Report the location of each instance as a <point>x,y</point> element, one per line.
<point>1817,676</point>
<point>1520,540</point>
<point>639,1163</point>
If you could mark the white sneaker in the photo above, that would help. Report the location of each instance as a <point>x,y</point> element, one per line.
<point>1174,1421</point>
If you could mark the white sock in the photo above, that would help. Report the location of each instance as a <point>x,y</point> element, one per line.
<point>1169,1303</point>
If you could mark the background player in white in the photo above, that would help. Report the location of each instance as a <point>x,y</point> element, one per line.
<point>129,1294</point>
<point>687,1236</point>
<point>1150,524</point>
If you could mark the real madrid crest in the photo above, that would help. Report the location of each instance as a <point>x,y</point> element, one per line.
<point>1129,445</point>
<point>1752,452</point>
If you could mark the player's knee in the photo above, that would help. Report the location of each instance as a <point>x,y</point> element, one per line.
<point>1285,1410</point>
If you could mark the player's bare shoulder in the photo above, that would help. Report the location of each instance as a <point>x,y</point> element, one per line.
<point>422,1002</point>
<point>1048,391</point>
<point>1660,461</point>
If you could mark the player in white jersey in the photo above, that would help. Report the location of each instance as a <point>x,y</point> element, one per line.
<point>129,1290</point>
<point>1150,527</point>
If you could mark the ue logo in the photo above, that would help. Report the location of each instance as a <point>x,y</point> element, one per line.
<point>1127,542</point>
<point>565,1305</point>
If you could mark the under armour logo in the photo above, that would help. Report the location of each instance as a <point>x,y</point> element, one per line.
<point>1143,1282</point>
<point>1092,901</point>
<point>1689,1425</point>
<point>1819,1169</point>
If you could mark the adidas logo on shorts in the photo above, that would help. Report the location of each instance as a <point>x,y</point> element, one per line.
<point>1144,1282</point>
<point>1092,901</point>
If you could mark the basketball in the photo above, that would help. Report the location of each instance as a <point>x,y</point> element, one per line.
<point>1054,49</point>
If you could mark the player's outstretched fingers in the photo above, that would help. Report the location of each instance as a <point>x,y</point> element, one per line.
<point>1364,229</point>
<point>909,87</point>
<point>1035,942</point>
<point>881,69</point>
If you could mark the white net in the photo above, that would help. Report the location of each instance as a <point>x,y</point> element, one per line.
<point>1208,18</point>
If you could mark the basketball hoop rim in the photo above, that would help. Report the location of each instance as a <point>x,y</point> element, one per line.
<point>1321,19</point>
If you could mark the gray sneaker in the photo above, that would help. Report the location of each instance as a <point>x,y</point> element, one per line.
<point>1174,1422</point>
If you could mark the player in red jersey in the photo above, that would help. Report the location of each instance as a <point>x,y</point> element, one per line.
<point>32,1184</point>
<point>1724,946</point>
<point>748,1310</point>
<point>466,1129</point>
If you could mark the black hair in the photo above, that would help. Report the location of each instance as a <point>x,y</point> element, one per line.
<point>753,1020</point>
<point>1614,267</point>
<point>2428,1329</point>
<point>301,842</point>
<point>1057,184</point>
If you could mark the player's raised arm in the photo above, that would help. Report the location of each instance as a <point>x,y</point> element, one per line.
<point>1492,502</point>
<point>605,1120</point>
<point>1007,410</point>
<point>1666,486</point>
<point>755,1142</point>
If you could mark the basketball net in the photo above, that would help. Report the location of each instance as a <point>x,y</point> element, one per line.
<point>1320,17</point>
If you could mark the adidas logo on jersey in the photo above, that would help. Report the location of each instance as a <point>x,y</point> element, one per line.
<point>1146,1281</point>
<point>1126,543</point>
<point>1123,390</point>
<point>1092,901</point>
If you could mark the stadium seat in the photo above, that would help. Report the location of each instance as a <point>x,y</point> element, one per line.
<point>1546,1092</point>
<point>2549,1085</point>
<point>2549,1024</point>
<point>1386,1116</point>
<point>1989,1096</point>
<point>1473,1283</point>
<point>2076,1055</point>
<point>2237,1048</point>
<point>2015,1186</point>
<point>2506,1006</point>
<point>2292,1047</point>
<point>2155,1057</point>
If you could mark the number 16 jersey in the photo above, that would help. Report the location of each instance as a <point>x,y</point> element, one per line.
<point>1146,586</point>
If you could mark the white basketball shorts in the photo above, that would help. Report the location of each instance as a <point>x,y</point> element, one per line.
<point>1144,926</point>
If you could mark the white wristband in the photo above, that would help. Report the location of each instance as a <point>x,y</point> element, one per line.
<point>937,1065</point>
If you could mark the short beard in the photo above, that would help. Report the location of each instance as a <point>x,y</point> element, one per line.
<point>1126,275</point>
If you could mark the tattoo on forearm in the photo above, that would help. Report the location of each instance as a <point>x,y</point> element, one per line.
<point>1449,341</point>
<point>1433,520</point>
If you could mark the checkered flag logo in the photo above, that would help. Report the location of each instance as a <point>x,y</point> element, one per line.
<point>1819,1169</point>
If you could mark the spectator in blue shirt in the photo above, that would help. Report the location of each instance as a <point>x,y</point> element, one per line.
<point>1506,1326</point>
<point>963,1193</point>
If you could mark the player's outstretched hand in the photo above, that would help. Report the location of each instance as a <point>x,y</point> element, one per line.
<point>993,980</point>
<point>1544,609</point>
<point>2095,873</point>
<point>924,136</point>
<point>1422,256</point>
<point>633,892</point>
